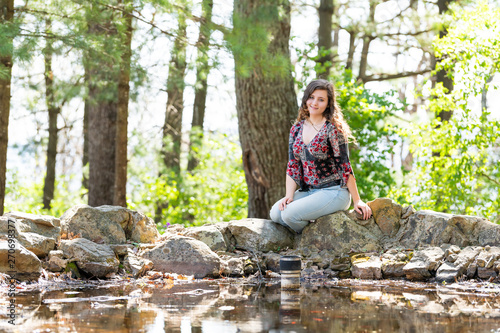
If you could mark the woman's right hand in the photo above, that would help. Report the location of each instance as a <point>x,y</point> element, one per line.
<point>286,200</point>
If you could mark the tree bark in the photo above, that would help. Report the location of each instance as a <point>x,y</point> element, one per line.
<point>103,108</point>
<point>6,16</point>
<point>200,89</point>
<point>172,128</point>
<point>325,43</point>
<point>120,190</point>
<point>265,103</point>
<point>352,48</point>
<point>53,112</point>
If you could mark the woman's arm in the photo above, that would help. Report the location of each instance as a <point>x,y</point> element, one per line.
<point>359,205</point>
<point>291,186</point>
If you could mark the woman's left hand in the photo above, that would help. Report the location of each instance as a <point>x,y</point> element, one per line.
<point>363,209</point>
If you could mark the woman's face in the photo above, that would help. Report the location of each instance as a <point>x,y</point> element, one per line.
<point>317,102</point>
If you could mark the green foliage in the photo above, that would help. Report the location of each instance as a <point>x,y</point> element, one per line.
<point>457,161</point>
<point>214,191</point>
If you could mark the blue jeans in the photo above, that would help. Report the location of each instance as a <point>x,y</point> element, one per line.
<point>311,205</point>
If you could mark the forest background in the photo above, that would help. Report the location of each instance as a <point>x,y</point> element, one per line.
<point>181,109</point>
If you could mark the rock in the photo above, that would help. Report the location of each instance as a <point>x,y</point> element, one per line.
<point>233,266</point>
<point>121,250</point>
<point>338,233</point>
<point>95,259</point>
<point>457,265</point>
<point>272,261</point>
<point>486,273</point>
<point>488,256</point>
<point>485,233</point>
<point>209,235</point>
<point>140,228</point>
<point>423,263</point>
<point>22,264</point>
<point>387,214</point>
<point>393,263</point>
<point>426,228</point>
<point>56,262</point>
<point>407,212</point>
<point>37,233</point>
<point>260,235</point>
<point>184,255</point>
<point>136,266</point>
<point>108,224</point>
<point>366,268</point>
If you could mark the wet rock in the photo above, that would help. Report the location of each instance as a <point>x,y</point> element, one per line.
<point>56,262</point>
<point>108,224</point>
<point>456,265</point>
<point>423,263</point>
<point>367,268</point>
<point>209,235</point>
<point>272,261</point>
<point>426,228</point>
<point>95,259</point>
<point>184,255</point>
<point>387,214</point>
<point>260,235</point>
<point>26,266</point>
<point>233,265</point>
<point>135,265</point>
<point>339,234</point>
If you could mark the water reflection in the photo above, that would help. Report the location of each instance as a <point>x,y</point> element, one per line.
<point>233,306</point>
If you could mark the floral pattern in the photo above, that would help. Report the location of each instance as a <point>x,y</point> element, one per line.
<point>323,162</point>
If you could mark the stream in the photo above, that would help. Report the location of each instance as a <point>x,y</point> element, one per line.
<point>246,305</point>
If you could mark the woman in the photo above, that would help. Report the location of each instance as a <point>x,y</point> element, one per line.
<point>318,163</point>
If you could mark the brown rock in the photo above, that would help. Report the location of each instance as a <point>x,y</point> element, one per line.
<point>386,214</point>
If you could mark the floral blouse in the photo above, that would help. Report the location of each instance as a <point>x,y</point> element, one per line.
<point>323,162</point>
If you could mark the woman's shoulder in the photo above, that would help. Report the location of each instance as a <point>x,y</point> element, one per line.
<point>296,126</point>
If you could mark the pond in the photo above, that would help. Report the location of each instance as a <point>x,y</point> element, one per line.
<point>245,305</point>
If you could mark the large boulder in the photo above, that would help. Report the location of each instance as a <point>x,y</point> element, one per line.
<point>37,233</point>
<point>209,235</point>
<point>425,228</point>
<point>108,224</point>
<point>340,234</point>
<point>387,214</point>
<point>260,235</point>
<point>95,259</point>
<point>19,263</point>
<point>184,255</point>
<point>424,263</point>
<point>366,267</point>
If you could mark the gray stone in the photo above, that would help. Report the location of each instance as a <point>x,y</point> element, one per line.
<point>366,268</point>
<point>233,266</point>
<point>21,264</point>
<point>95,259</point>
<point>393,263</point>
<point>423,263</point>
<point>135,265</point>
<point>338,233</point>
<point>486,273</point>
<point>56,262</point>
<point>272,261</point>
<point>260,235</point>
<point>457,265</point>
<point>209,235</point>
<point>488,256</point>
<point>108,224</point>
<point>407,212</point>
<point>184,255</point>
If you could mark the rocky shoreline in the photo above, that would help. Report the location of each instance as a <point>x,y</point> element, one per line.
<point>396,243</point>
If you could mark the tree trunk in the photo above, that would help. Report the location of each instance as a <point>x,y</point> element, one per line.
<point>103,108</point>
<point>200,89</point>
<point>352,48</point>
<point>53,110</point>
<point>120,190</point>
<point>325,43</point>
<point>367,39</point>
<point>172,128</point>
<point>265,102</point>
<point>6,16</point>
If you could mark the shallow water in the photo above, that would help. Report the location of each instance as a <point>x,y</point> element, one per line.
<point>239,306</point>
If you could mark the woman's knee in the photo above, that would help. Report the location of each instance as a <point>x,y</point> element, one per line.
<point>293,221</point>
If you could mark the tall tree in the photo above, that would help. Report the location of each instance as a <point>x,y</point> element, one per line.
<point>200,89</point>
<point>103,78</point>
<point>120,190</point>
<point>53,111</point>
<point>265,97</point>
<point>325,42</point>
<point>6,50</point>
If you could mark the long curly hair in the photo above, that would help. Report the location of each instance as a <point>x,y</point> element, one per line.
<point>332,113</point>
